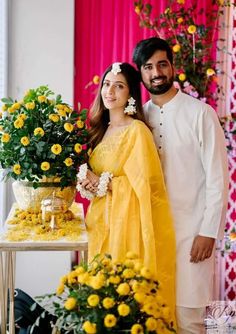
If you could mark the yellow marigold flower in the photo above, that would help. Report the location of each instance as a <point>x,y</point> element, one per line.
<point>60,106</point>
<point>39,131</point>
<point>42,98</point>
<point>68,127</point>
<point>128,273</point>
<point>54,118</point>
<point>138,266</point>
<point>22,116</point>
<point>17,169</point>
<point>137,329</point>
<point>30,105</point>
<point>182,77</point>
<point>180,20</point>
<point>97,282</point>
<point>151,324</point>
<point>131,255</point>
<point>210,72</point>
<point>83,278</point>
<point>137,10</point>
<point>68,109</point>
<point>192,29</point>
<point>146,273</point>
<point>60,289</point>
<point>4,107</point>
<point>123,289</point>
<point>108,303</point>
<point>19,123</point>
<point>11,110</point>
<point>80,270</point>
<point>149,308</point>
<point>114,279</point>
<point>56,149</point>
<point>181,2</point>
<point>89,327</point>
<point>129,263</point>
<point>110,320</point>
<point>45,165</point>
<point>123,309</point>
<point>5,138</point>
<point>165,311</point>
<point>140,297</point>
<point>61,112</point>
<point>78,148</point>
<point>63,279</point>
<point>68,162</point>
<point>176,48</point>
<point>96,79</point>
<point>80,124</point>
<point>93,300</point>
<point>70,303</point>
<point>221,2</point>
<point>16,106</point>
<point>25,141</point>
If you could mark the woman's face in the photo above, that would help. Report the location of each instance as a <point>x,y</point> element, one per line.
<point>115,91</point>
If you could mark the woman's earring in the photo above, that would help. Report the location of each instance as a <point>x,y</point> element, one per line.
<point>130,109</point>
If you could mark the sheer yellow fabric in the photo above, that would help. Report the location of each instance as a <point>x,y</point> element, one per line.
<point>135,216</point>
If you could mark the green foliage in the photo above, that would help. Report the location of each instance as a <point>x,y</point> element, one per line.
<point>29,131</point>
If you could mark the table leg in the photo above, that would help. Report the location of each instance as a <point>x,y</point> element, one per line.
<point>2,295</point>
<point>11,292</point>
<point>84,256</point>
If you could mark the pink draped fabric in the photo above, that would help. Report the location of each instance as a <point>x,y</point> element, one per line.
<point>106,31</point>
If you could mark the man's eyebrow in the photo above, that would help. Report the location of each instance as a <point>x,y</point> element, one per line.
<point>164,61</point>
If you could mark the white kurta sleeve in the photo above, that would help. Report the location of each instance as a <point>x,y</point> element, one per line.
<point>215,164</point>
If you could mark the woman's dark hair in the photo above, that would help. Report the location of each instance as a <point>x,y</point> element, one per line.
<point>147,47</point>
<point>100,115</point>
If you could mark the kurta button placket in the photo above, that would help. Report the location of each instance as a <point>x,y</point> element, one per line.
<point>161,135</point>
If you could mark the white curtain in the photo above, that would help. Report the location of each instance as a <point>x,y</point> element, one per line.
<point>3,92</point>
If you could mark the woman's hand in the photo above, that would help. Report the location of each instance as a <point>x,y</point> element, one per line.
<point>91,182</point>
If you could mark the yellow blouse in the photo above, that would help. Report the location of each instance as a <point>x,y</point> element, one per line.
<point>135,216</point>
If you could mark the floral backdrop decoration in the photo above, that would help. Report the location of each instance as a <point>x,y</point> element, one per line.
<point>192,33</point>
<point>42,138</point>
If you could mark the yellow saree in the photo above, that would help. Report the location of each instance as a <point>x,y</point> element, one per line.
<point>135,216</point>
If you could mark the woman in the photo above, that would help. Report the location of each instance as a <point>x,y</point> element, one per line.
<point>129,210</point>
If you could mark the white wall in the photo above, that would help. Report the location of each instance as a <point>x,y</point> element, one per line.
<point>41,50</point>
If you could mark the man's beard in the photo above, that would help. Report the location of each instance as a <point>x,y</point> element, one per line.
<point>160,89</point>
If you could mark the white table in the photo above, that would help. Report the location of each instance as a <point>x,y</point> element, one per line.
<point>7,266</point>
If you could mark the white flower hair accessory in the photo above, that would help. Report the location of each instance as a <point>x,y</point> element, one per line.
<point>130,109</point>
<point>116,68</point>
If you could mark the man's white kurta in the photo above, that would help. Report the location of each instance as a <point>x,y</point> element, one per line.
<point>192,150</point>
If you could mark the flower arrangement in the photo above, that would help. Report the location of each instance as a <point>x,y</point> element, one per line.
<point>42,138</point>
<point>193,42</point>
<point>107,296</point>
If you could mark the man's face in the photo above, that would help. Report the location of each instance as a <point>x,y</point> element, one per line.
<point>157,73</point>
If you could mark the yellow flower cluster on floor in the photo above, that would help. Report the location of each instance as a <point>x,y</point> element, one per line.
<point>107,296</point>
<point>28,225</point>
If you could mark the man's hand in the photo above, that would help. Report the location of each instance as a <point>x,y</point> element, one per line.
<point>201,249</point>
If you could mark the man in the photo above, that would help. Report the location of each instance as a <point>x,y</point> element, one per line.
<point>191,146</point>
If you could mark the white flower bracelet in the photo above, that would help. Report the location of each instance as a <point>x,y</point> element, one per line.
<point>104,180</point>
<point>81,176</point>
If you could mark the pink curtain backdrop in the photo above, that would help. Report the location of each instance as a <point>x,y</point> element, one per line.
<point>107,31</point>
